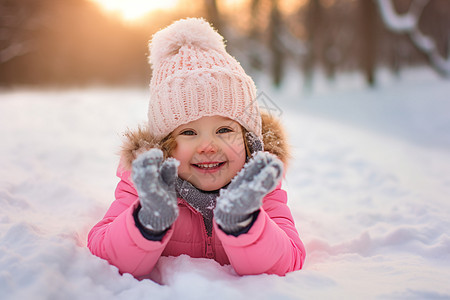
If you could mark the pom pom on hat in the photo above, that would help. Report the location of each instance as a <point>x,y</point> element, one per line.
<point>187,32</point>
<point>193,76</point>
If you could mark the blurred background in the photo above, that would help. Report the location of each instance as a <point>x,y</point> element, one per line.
<point>104,42</point>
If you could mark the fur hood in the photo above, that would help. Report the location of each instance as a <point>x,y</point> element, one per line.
<point>141,140</point>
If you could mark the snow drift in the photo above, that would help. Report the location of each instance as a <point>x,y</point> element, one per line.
<point>368,187</point>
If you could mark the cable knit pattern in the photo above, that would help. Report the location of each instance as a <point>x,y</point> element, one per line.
<point>194,76</point>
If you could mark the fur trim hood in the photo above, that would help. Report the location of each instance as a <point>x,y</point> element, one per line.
<point>141,140</point>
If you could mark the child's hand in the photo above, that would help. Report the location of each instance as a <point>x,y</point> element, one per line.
<point>154,180</point>
<point>245,193</point>
<point>255,144</point>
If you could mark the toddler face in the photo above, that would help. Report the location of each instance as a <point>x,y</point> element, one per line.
<point>210,150</point>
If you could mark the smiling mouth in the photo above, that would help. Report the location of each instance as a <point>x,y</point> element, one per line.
<point>209,166</point>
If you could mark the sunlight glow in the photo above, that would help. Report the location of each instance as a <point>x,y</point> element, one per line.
<point>134,9</point>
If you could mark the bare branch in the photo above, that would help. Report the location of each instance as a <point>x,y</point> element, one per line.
<point>409,23</point>
<point>400,23</point>
<point>14,50</point>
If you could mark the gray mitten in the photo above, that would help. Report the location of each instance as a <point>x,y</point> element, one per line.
<point>244,195</point>
<point>154,180</point>
<point>255,144</point>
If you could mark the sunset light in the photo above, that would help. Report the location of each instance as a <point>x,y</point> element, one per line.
<point>131,10</point>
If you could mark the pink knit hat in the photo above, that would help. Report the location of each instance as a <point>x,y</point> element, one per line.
<point>193,76</point>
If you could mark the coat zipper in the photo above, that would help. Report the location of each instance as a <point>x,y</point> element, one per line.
<point>209,250</point>
<point>209,240</point>
<point>209,247</point>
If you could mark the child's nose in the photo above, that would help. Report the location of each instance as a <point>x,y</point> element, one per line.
<point>207,146</point>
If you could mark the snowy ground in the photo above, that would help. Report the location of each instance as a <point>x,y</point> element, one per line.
<point>369,188</point>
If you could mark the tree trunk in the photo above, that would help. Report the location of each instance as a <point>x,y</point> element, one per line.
<point>368,39</point>
<point>213,14</point>
<point>313,25</point>
<point>275,45</point>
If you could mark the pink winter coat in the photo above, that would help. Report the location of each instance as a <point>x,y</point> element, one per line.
<point>272,245</point>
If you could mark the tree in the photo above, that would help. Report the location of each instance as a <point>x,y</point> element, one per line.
<point>213,14</point>
<point>314,19</point>
<point>368,39</point>
<point>68,42</point>
<point>275,45</point>
<point>408,23</point>
<point>18,22</point>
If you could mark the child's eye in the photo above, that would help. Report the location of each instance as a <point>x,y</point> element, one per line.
<point>187,132</point>
<point>224,130</point>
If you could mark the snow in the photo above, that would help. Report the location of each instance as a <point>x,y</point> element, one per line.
<point>368,186</point>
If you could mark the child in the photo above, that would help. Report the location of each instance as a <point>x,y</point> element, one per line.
<point>195,181</point>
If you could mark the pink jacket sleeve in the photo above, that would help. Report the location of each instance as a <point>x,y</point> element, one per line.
<point>272,244</point>
<point>117,239</point>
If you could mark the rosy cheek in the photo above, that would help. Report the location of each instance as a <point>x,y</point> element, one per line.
<point>236,153</point>
<point>183,161</point>
<point>183,153</point>
<point>238,148</point>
